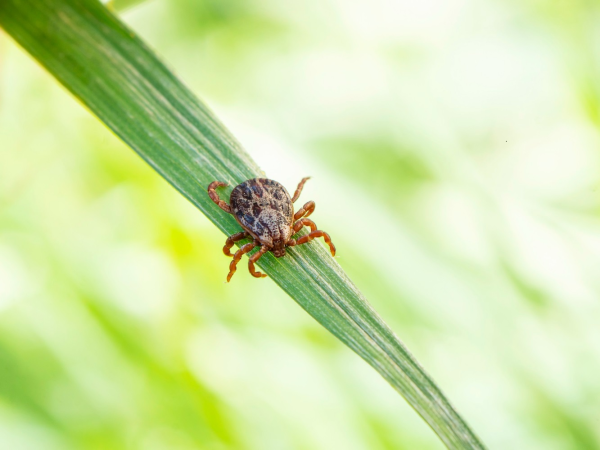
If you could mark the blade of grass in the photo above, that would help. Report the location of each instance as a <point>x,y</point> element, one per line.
<point>122,82</point>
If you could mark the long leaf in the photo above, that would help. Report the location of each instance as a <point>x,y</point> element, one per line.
<point>123,83</point>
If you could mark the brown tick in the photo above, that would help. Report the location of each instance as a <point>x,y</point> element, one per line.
<point>265,211</point>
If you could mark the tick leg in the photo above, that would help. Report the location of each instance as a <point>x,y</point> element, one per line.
<point>304,222</point>
<point>215,197</point>
<point>232,239</point>
<point>309,237</point>
<point>236,258</point>
<point>305,211</point>
<point>255,258</point>
<point>299,189</point>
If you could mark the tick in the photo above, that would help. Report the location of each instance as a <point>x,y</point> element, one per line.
<point>265,211</point>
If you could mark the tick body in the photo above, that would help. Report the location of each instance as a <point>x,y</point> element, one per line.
<point>265,211</point>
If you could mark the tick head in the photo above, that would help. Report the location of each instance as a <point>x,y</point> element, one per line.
<point>278,248</point>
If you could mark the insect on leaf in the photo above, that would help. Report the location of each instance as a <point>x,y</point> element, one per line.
<point>122,82</point>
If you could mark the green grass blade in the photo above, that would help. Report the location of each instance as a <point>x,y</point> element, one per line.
<point>123,83</point>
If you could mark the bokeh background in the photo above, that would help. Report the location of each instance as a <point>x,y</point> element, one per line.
<point>455,157</point>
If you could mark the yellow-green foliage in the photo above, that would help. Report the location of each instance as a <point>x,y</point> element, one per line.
<point>453,158</point>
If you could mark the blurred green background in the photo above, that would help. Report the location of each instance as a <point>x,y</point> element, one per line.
<point>454,150</point>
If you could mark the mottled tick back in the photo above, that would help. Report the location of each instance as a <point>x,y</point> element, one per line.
<point>265,211</point>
